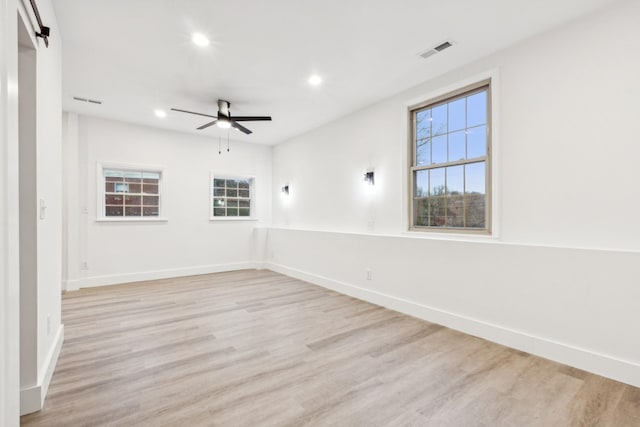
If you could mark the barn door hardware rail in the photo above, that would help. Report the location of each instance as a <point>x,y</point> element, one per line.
<point>43,31</point>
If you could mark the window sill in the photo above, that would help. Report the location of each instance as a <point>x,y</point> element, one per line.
<point>133,219</point>
<point>215,219</point>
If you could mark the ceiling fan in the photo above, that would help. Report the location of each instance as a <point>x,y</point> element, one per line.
<point>224,119</point>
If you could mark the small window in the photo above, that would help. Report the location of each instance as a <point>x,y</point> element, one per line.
<point>450,166</point>
<point>130,194</point>
<point>231,197</point>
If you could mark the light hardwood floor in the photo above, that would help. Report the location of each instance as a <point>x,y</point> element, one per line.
<point>255,348</point>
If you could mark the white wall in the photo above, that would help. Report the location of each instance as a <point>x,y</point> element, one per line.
<point>9,229</point>
<point>48,230</point>
<point>188,243</point>
<point>27,137</point>
<point>566,177</point>
<point>49,160</point>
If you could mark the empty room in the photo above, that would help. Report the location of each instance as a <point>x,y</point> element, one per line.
<point>336,213</point>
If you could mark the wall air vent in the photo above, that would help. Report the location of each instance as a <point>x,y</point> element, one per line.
<point>437,48</point>
<point>90,101</point>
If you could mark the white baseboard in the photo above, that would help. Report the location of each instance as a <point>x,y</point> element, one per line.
<point>115,279</point>
<point>32,398</point>
<point>601,364</point>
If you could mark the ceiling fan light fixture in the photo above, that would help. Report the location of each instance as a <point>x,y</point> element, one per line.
<point>223,124</point>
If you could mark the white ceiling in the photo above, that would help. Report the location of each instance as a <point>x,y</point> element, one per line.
<point>137,56</point>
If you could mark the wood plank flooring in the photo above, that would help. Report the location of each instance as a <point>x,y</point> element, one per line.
<point>255,348</point>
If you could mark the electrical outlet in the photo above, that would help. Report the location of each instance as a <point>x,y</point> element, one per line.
<point>272,255</point>
<point>369,274</point>
<point>371,225</point>
<point>84,265</point>
<point>48,324</point>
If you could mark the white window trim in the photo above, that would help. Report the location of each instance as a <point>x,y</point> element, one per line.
<point>100,216</point>
<point>252,194</point>
<point>495,158</point>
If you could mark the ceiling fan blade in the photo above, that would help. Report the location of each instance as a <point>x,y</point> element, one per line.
<point>251,118</point>
<point>208,124</point>
<point>240,127</point>
<point>193,112</point>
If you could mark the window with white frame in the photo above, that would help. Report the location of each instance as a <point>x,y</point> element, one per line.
<point>130,193</point>
<point>451,161</point>
<point>231,197</point>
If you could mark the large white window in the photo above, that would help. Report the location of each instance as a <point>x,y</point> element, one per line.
<point>451,161</point>
<point>129,193</point>
<point>231,197</point>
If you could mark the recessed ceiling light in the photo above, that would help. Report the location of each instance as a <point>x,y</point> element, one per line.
<point>315,80</point>
<point>199,39</point>
<point>160,113</point>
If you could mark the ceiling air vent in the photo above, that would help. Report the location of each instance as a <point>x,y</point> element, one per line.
<point>90,101</point>
<point>437,48</point>
<point>443,46</point>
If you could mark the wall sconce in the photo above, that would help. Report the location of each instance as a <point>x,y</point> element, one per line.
<point>368,178</point>
<point>285,190</point>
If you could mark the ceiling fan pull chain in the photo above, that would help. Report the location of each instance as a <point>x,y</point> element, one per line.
<point>219,144</point>
<point>227,141</point>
